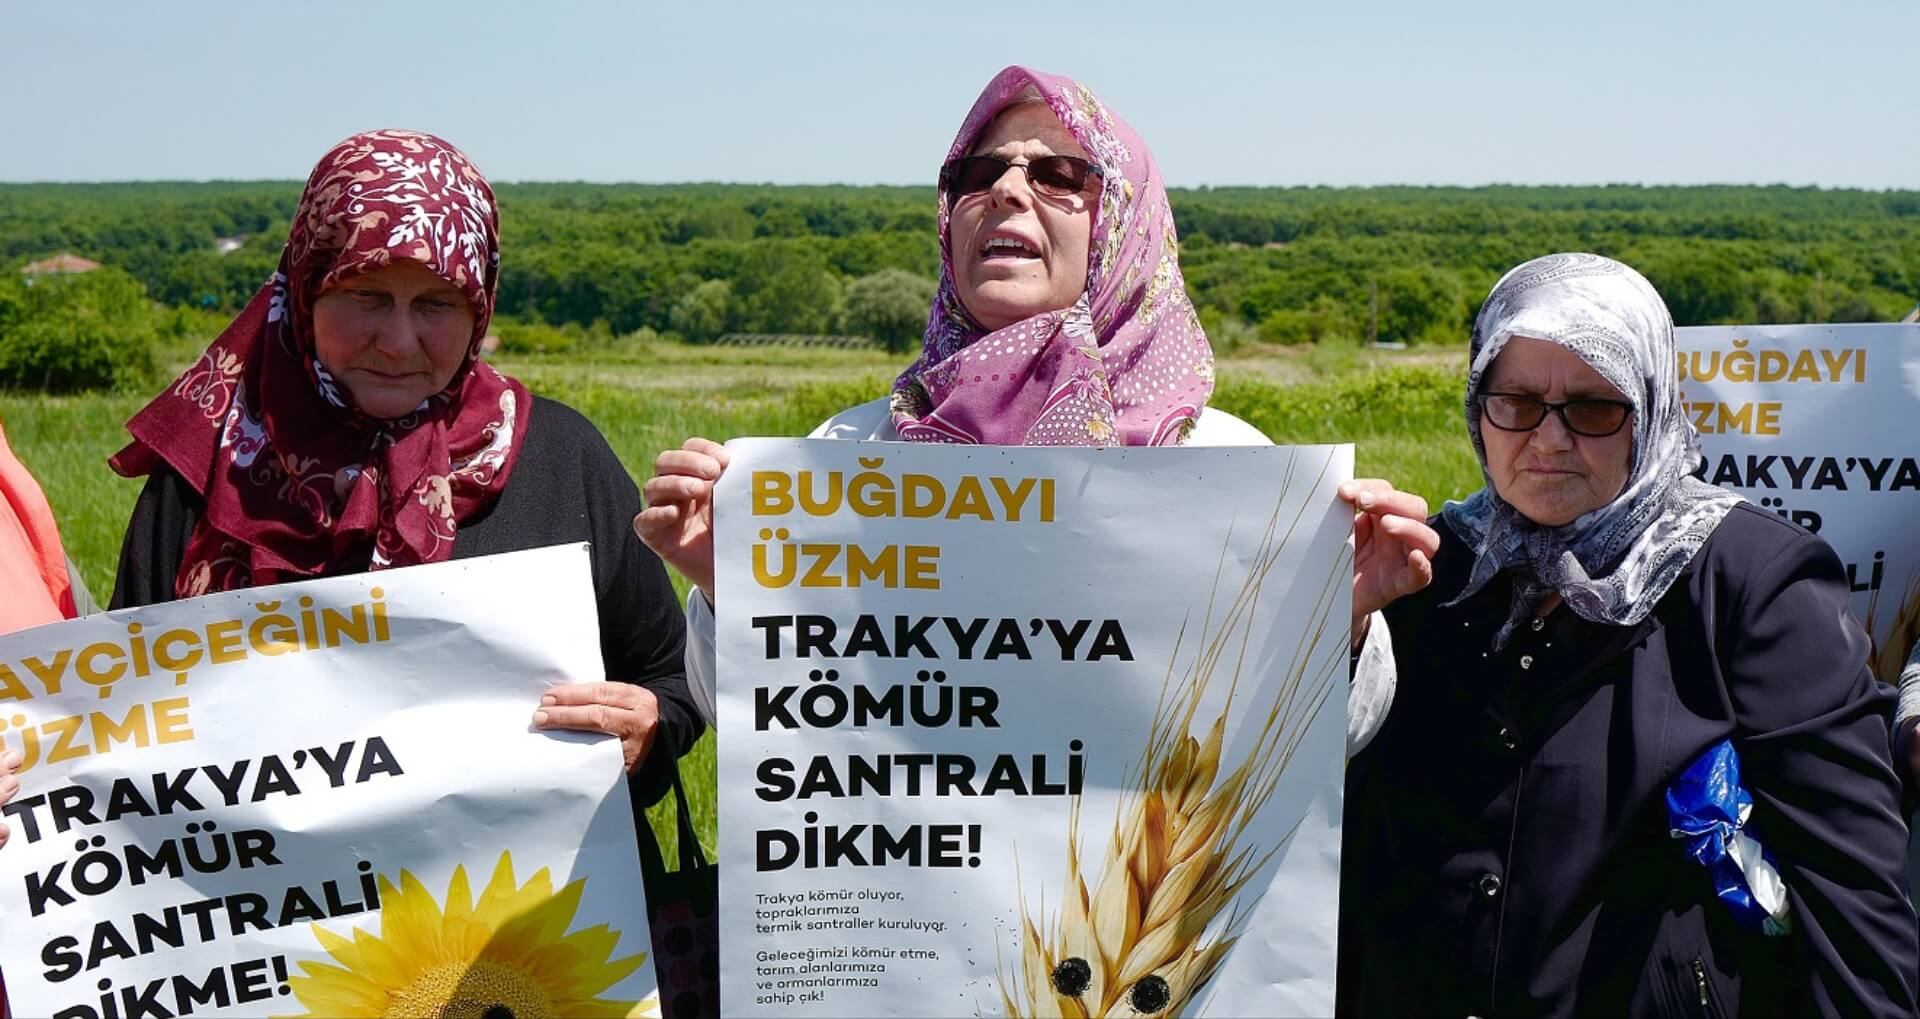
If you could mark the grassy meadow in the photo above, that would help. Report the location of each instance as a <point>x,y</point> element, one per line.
<point>1401,408</point>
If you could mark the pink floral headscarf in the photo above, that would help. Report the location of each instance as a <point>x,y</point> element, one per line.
<point>1126,364</point>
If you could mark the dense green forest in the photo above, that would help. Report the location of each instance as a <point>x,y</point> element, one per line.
<point>595,263</point>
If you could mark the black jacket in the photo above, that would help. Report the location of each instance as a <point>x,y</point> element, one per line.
<point>566,486</point>
<point>1506,842</point>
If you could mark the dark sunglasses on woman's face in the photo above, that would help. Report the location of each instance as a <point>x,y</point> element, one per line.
<point>1059,176</point>
<point>1518,412</point>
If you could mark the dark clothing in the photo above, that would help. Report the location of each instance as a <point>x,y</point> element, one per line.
<point>567,486</point>
<point>1507,850</point>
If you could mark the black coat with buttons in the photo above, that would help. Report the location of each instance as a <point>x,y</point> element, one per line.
<point>1506,843</point>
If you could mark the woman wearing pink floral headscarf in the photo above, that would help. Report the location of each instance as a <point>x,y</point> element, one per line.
<point>1061,319</point>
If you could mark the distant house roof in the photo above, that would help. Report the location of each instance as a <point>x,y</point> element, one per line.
<point>64,262</point>
<point>228,245</point>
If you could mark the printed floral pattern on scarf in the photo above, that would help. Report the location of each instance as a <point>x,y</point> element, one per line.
<point>1127,364</point>
<point>297,482</point>
<point>1613,564</point>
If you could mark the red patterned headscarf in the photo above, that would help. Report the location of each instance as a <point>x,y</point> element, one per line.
<point>298,483</point>
<point>1126,365</point>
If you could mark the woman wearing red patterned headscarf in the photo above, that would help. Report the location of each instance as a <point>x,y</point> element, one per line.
<point>345,422</point>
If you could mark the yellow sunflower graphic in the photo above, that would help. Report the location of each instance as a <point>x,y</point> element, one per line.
<point>509,956</point>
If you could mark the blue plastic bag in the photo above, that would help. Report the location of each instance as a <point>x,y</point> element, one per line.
<point>1707,807</point>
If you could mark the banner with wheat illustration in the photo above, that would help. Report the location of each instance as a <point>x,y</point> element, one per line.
<point>1821,425</point>
<point>321,799</point>
<point>1030,732</point>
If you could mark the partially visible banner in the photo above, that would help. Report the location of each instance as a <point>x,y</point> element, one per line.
<point>1821,425</point>
<point>1018,731</point>
<point>321,799</point>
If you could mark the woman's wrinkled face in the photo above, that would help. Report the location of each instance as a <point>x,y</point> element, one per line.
<point>1550,474</point>
<point>394,336</point>
<point>1016,252</point>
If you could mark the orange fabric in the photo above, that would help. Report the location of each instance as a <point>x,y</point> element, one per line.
<point>34,587</point>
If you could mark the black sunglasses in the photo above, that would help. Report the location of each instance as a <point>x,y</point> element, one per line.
<point>1517,412</point>
<point>1059,176</point>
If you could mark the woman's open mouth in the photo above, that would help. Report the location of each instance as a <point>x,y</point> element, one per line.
<point>1002,246</point>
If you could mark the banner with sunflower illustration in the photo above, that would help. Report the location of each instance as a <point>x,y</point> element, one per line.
<point>321,799</point>
<point>1816,423</point>
<point>1017,731</point>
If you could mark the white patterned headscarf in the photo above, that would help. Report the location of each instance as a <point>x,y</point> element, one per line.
<point>1613,564</point>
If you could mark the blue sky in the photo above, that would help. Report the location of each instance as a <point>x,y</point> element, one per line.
<point>1681,91</point>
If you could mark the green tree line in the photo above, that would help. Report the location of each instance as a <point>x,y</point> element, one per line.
<point>1263,265</point>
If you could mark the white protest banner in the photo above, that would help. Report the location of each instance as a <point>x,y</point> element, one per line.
<point>1017,731</point>
<point>1821,425</point>
<point>321,799</point>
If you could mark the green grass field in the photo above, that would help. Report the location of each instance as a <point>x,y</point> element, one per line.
<point>1403,411</point>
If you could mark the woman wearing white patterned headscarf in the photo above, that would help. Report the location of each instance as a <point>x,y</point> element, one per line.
<point>1622,683</point>
<point>1609,547</point>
